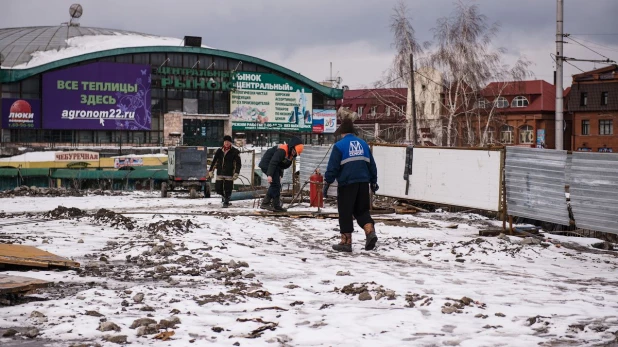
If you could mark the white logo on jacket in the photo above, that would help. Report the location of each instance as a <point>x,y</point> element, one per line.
<point>356,149</point>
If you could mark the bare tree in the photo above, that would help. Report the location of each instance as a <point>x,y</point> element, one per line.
<point>406,46</point>
<point>468,61</point>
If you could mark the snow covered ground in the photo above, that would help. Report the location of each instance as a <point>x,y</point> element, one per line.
<point>261,281</point>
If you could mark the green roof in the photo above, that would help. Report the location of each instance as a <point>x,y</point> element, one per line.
<point>89,174</point>
<point>14,75</point>
<point>34,172</point>
<point>8,172</point>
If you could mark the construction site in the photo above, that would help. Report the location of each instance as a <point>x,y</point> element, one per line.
<point>475,248</point>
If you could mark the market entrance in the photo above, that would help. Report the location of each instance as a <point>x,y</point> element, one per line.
<point>202,132</point>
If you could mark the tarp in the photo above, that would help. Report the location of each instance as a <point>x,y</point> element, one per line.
<point>8,172</point>
<point>34,172</point>
<point>90,174</point>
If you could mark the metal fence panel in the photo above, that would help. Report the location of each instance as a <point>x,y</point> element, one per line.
<point>593,188</point>
<point>287,174</point>
<point>315,157</point>
<point>535,180</point>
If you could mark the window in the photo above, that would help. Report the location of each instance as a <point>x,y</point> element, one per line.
<point>388,111</point>
<point>420,108</point>
<point>604,98</point>
<point>490,135</point>
<point>585,127</point>
<point>506,134</point>
<point>520,101</point>
<point>583,101</point>
<point>482,103</point>
<point>402,108</point>
<point>373,111</point>
<point>501,102</point>
<point>526,134</point>
<point>359,110</point>
<point>606,127</point>
<point>433,108</point>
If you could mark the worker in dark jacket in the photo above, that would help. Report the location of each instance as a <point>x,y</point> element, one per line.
<point>228,164</point>
<point>274,161</point>
<point>351,164</point>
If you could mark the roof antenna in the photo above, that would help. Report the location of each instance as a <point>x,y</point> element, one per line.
<point>76,11</point>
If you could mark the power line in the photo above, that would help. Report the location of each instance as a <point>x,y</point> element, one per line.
<point>609,48</point>
<point>573,65</point>
<point>551,55</point>
<point>581,44</point>
<point>614,34</point>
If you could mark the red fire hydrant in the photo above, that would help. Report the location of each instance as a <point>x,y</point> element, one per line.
<point>316,182</point>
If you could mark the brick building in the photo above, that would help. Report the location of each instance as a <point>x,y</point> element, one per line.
<point>383,112</point>
<point>521,114</point>
<point>593,104</point>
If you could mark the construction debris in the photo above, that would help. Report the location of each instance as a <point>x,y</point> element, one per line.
<point>18,284</point>
<point>32,256</point>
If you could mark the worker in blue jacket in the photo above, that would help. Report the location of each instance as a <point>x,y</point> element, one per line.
<point>351,164</point>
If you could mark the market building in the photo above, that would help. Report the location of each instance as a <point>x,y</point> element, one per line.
<point>90,87</point>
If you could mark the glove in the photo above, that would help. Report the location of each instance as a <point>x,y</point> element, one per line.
<point>374,187</point>
<point>235,177</point>
<point>325,190</point>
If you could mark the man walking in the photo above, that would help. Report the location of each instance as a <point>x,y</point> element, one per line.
<point>351,164</point>
<point>228,164</point>
<point>274,161</point>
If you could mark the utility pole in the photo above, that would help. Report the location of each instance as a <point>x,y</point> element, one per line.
<point>559,75</point>
<point>413,130</point>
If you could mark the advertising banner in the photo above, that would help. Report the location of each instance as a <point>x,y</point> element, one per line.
<point>122,162</point>
<point>21,113</point>
<point>266,101</point>
<point>540,138</point>
<point>77,156</point>
<point>98,96</point>
<point>324,121</point>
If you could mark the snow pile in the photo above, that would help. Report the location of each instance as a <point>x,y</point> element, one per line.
<point>95,43</point>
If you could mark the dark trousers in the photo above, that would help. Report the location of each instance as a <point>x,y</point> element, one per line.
<point>274,190</point>
<point>224,187</point>
<point>353,202</point>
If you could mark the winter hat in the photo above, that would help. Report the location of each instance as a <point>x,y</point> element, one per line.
<point>227,138</point>
<point>297,144</point>
<point>347,126</point>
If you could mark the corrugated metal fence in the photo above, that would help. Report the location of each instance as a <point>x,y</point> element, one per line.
<point>594,190</point>
<point>315,157</point>
<point>535,184</point>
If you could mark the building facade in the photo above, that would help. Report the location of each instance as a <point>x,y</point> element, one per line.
<point>512,114</point>
<point>384,113</point>
<point>78,86</point>
<point>593,104</point>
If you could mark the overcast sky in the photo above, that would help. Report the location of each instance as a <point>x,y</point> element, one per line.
<point>305,36</point>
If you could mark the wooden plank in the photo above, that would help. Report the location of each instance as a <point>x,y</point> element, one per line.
<point>18,284</point>
<point>495,232</point>
<point>32,256</point>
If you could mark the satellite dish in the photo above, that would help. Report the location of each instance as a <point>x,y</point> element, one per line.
<point>76,10</point>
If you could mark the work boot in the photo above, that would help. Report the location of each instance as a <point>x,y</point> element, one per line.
<point>277,205</point>
<point>226,202</point>
<point>266,203</point>
<point>345,245</point>
<point>370,236</point>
